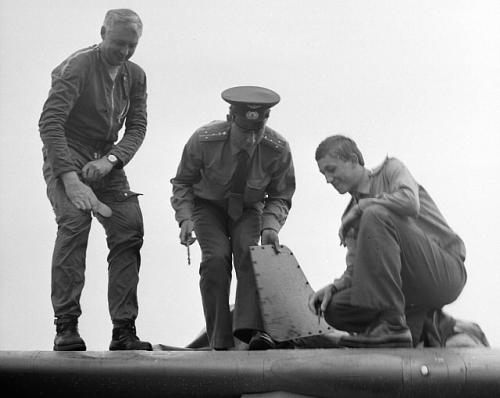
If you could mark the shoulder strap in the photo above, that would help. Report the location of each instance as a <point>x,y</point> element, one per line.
<point>272,140</point>
<point>214,131</point>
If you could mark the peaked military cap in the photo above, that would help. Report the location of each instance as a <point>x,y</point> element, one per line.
<point>250,104</point>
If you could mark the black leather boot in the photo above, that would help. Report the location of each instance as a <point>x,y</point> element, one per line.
<point>389,331</point>
<point>125,338</point>
<point>67,337</point>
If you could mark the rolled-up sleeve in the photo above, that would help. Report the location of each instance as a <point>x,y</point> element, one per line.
<point>400,191</point>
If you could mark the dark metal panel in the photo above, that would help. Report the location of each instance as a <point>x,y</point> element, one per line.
<point>284,292</point>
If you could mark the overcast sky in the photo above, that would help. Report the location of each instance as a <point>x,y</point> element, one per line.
<point>418,80</point>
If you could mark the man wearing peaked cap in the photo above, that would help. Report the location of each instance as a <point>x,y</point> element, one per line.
<point>234,186</point>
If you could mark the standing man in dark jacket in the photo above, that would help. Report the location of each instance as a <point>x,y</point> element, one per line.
<point>234,185</point>
<point>94,92</point>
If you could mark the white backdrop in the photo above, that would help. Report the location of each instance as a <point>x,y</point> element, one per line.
<point>418,80</point>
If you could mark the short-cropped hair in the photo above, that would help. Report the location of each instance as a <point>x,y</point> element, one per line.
<point>341,146</point>
<point>123,16</point>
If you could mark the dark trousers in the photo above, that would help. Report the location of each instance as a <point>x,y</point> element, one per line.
<point>124,235</point>
<point>397,268</point>
<point>221,239</point>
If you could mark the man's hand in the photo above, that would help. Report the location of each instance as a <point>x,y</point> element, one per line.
<point>78,193</point>
<point>270,237</point>
<point>187,228</point>
<point>349,220</point>
<point>96,169</point>
<point>319,301</point>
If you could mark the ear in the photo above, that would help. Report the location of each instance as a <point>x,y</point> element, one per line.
<point>103,32</point>
<point>354,159</point>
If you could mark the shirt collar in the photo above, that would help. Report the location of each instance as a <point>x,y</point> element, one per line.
<point>363,190</point>
<point>236,149</point>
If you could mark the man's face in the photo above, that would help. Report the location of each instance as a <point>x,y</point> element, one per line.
<point>245,138</point>
<point>118,43</point>
<point>340,173</point>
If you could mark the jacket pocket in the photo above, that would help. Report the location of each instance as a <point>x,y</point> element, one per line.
<point>216,178</point>
<point>255,189</point>
<point>122,196</point>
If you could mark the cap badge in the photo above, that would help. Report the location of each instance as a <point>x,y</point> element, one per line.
<point>252,115</point>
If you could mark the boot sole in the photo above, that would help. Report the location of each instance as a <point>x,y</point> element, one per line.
<point>260,345</point>
<point>73,347</point>
<point>144,347</point>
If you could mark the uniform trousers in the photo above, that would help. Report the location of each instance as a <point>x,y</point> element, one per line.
<point>397,267</point>
<point>124,235</point>
<point>221,240</point>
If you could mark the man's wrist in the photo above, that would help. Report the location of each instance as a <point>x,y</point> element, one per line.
<point>112,159</point>
<point>69,177</point>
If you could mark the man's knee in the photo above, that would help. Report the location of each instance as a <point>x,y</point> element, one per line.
<point>341,315</point>
<point>375,213</point>
<point>215,273</point>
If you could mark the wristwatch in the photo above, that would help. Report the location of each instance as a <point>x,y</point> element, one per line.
<point>112,159</point>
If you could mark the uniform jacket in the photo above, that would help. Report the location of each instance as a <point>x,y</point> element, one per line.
<point>85,107</point>
<point>209,162</point>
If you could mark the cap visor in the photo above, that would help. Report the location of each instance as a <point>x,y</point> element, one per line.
<point>247,125</point>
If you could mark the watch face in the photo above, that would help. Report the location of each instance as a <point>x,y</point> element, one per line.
<point>112,159</point>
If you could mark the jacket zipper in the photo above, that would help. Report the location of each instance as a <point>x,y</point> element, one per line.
<point>112,111</point>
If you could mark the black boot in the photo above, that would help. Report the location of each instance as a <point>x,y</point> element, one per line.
<point>125,338</point>
<point>389,331</point>
<point>67,337</point>
<point>261,341</point>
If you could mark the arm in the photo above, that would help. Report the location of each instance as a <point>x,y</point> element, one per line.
<point>400,191</point>
<point>68,81</point>
<point>135,116</point>
<point>188,174</point>
<point>279,193</point>
<point>279,200</point>
<point>318,301</point>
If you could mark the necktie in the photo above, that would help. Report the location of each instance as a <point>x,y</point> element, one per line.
<point>235,205</point>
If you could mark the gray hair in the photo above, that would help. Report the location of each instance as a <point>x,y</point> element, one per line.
<point>123,16</point>
<point>341,146</point>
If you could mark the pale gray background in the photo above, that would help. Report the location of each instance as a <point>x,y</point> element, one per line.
<point>418,80</point>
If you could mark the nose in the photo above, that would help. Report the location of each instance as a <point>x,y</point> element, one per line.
<point>329,178</point>
<point>124,50</point>
<point>251,137</point>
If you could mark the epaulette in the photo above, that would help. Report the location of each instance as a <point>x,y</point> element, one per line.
<point>274,142</point>
<point>215,131</point>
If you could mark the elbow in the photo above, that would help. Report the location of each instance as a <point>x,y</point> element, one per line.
<point>413,206</point>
